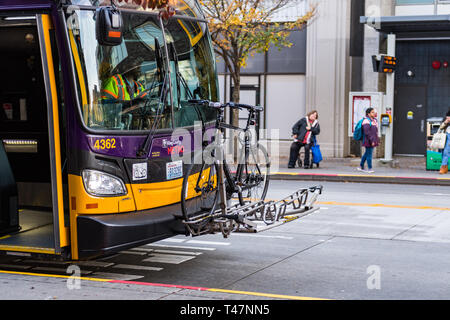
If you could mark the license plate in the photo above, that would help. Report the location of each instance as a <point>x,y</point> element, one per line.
<point>174,169</point>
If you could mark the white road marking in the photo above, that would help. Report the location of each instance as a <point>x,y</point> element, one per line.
<point>168,258</point>
<point>176,240</point>
<point>138,253</point>
<point>180,247</point>
<point>94,264</point>
<point>142,249</point>
<point>134,267</point>
<point>116,276</point>
<point>209,242</point>
<point>253,235</point>
<point>179,252</point>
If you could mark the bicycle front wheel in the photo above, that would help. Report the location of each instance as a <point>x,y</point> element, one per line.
<point>253,175</point>
<point>199,194</point>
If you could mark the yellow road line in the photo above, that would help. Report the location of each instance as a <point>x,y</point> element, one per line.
<point>53,276</point>
<point>343,175</point>
<point>248,293</point>
<point>267,295</point>
<point>380,205</point>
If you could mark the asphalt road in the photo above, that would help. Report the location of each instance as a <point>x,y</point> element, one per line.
<point>366,241</point>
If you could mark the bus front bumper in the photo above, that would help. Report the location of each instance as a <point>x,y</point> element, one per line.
<point>105,234</point>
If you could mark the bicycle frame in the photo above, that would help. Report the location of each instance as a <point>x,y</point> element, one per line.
<point>222,165</point>
<point>223,171</point>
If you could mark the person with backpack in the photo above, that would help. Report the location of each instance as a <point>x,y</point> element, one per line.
<point>304,132</point>
<point>366,131</point>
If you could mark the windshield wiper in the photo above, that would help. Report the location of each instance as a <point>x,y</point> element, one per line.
<point>144,149</point>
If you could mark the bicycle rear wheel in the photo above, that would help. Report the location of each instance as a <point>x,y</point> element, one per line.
<point>199,194</point>
<point>253,175</point>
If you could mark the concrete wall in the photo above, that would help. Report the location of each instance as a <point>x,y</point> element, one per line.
<point>285,103</point>
<point>328,67</point>
<point>374,44</point>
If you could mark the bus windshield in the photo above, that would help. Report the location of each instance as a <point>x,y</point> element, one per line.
<point>124,87</point>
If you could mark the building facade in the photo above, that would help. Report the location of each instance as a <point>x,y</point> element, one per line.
<point>332,57</point>
<point>420,33</point>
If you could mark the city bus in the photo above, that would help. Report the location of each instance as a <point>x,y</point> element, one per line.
<point>91,93</point>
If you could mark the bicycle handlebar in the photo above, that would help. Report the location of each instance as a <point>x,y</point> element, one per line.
<point>218,105</point>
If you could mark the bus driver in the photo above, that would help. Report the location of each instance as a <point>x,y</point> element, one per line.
<point>124,87</point>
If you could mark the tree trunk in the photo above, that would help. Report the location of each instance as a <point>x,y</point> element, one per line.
<point>234,113</point>
<point>235,97</point>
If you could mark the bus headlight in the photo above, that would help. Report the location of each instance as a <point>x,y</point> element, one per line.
<point>101,184</point>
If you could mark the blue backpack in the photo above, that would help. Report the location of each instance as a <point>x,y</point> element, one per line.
<point>358,134</point>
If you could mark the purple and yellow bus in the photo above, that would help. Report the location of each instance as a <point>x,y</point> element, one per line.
<point>91,93</point>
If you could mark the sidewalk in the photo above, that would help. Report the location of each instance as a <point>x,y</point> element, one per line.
<point>406,170</point>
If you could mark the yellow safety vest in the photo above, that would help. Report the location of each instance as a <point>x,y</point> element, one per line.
<point>115,88</point>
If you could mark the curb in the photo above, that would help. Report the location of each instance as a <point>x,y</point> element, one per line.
<point>360,178</point>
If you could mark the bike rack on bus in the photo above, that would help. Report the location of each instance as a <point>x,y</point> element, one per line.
<point>250,215</point>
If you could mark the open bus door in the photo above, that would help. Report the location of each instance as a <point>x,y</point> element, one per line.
<point>31,137</point>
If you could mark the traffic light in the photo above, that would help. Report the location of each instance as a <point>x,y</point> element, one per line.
<point>384,64</point>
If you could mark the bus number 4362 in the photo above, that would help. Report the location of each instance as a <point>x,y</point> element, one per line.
<point>105,144</point>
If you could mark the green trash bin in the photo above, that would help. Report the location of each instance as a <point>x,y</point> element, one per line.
<point>434,160</point>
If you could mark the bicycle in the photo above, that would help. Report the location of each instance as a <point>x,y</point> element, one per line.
<point>209,184</point>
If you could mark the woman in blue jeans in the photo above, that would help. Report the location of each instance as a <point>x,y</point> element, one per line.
<point>370,138</point>
<point>446,152</point>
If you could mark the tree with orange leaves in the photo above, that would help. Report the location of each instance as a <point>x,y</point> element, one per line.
<point>241,28</point>
<point>166,9</point>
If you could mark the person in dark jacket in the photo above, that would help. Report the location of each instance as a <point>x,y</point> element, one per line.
<point>303,133</point>
<point>370,138</point>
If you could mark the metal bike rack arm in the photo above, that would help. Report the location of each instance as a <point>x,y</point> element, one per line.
<point>249,214</point>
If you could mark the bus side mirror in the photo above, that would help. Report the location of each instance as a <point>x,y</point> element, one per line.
<point>108,26</point>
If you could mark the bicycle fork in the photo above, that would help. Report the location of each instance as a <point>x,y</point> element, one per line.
<point>220,155</point>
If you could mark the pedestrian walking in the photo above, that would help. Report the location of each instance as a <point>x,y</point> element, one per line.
<point>304,132</point>
<point>445,127</point>
<point>369,139</point>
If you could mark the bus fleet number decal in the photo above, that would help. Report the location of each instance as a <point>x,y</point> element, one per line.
<point>105,144</point>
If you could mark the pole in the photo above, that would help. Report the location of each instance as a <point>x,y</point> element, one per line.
<point>389,103</point>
